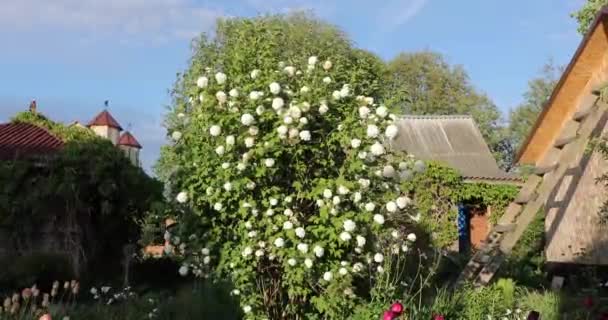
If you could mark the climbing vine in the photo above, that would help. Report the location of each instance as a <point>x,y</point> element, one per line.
<point>83,200</point>
<point>441,188</point>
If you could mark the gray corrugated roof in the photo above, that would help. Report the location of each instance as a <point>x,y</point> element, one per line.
<point>454,140</point>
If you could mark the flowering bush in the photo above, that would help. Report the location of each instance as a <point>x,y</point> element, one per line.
<point>289,188</point>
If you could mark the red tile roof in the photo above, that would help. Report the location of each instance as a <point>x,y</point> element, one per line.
<point>24,139</point>
<point>105,119</point>
<point>127,139</point>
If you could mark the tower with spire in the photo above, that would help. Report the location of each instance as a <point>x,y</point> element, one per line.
<point>104,125</point>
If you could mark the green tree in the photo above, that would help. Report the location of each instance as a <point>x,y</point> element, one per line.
<point>287,38</point>
<point>424,83</point>
<point>282,179</point>
<point>522,118</point>
<point>586,14</point>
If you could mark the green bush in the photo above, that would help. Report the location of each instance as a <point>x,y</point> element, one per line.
<point>547,303</point>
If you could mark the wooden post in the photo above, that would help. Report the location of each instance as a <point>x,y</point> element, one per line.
<point>129,252</point>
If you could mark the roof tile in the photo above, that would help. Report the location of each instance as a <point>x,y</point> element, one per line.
<point>127,139</point>
<point>24,139</point>
<point>104,118</point>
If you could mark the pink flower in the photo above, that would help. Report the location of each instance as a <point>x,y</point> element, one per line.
<point>389,315</point>
<point>397,308</point>
<point>45,316</point>
<point>438,317</point>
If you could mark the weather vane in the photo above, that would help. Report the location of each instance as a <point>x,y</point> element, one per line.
<point>106,103</point>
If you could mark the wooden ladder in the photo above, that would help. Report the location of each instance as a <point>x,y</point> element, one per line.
<point>535,193</point>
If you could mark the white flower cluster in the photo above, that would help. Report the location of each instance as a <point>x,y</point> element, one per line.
<point>254,141</point>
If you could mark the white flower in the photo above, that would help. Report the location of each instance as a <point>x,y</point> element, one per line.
<point>254,95</point>
<point>282,130</point>
<point>293,133</point>
<point>372,131</point>
<point>345,91</point>
<point>94,290</point>
<point>234,93</point>
<point>275,88</point>
<point>176,135</point>
<point>336,95</point>
<point>305,106</point>
<point>305,135</point>
<point>323,108</point>
<point>248,225</point>
<point>327,276</point>
<point>411,237</point>
<point>295,112</point>
<point>230,140</point>
<point>287,120</point>
<point>364,183</point>
<point>362,155</point>
<point>304,89</point>
<point>336,200</point>
<point>327,80</point>
<point>360,241</point>
<point>349,225</point>
<point>202,82</point>
<point>327,193</point>
<point>247,119</point>
<point>205,251</point>
<point>255,73</point>
<point>300,232</point>
<point>355,143</point>
<point>342,271</point>
<point>221,97</point>
<point>302,247</point>
<point>379,219</point>
<point>369,100</point>
<point>405,175</point>
<point>215,130</point>
<point>277,103</point>
<point>343,190</point>
<point>303,120</point>
<point>320,203</point>
<point>312,60</point>
<point>218,206</point>
<point>250,185</point>
<point>382,111</point>
<point>252,234</point>
<point>273,201</point>
<point>225,165</point>
<point>308,263</point>
<point>247,309</point>
<point>241,166</point>
<point>388,171</point>
<point>419,166</point>
<point>249,142</point>
<point>227,186</point>
<point>319,251</point>
<point>259,110</point>
<point>291,261</point>
<point>357,267</point>
<point>391,206</point>
<point>220,78</point>
<point>290,70</point>
<point>345,236</point>
<point>391,131</point>
<point>370,206</point>
<point>269,162</point>
<point>182,197</point>
<point>377,149</point>
<point>287,225</point>
<point>403,202</point>
<point>183,271</point>
<point>357,196</point>
<point>364,112</point>
<point>167,236</point>
<point>220,150</point>
<point>378,257</point>
<point>395,234</point>
<point>247,251</point>
<point>253,130</point>
<point>201,97</point>
<point>380,269</point>
<point>279,242</point>
<point>270,212</point>
<point>259,253</point>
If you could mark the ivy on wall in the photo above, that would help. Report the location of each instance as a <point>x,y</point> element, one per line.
<point>88,193</point>
<point>441,188</point>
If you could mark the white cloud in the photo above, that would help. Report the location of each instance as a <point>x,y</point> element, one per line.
<point>157,19</point>
<point>395,13</point>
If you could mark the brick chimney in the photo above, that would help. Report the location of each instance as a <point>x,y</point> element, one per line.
<point>33,106</point>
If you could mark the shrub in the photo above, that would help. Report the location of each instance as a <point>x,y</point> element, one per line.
<point>41,268</point>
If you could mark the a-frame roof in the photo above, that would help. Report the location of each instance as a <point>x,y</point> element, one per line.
<point>454,140</point>
<point>127,139</point>
<point>104,118</point>
<point>24,140</point>
<point>586,69</point>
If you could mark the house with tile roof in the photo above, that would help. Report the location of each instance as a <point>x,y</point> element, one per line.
<point>28,140</point>
<point>456,141</point>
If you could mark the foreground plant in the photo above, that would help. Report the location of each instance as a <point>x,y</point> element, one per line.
<point>32,303</point>
<point>289,187</point>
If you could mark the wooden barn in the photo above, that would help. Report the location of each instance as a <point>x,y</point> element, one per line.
<point>456,141</point>
<point>564,184</point>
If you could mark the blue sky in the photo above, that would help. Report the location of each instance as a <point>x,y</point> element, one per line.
<point>71,55</point>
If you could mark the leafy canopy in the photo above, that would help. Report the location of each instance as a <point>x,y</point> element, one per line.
<point>282,166</point>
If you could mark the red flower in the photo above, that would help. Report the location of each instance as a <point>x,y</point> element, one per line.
<point>604,316</point>
<point>397,308</point>
<point>438,317</point>
<point>389,315</point>
<point>588,302</point>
